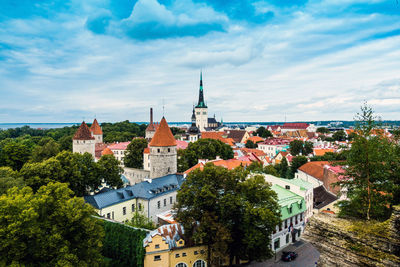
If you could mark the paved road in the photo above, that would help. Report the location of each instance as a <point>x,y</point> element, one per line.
<point>308,256</point>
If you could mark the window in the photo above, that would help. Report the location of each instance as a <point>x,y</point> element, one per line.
<point>157,258</point>
<point>133,207</point>
<point>287,238</point>
<point>301,217</point>
<point>157,246</point>
<point>124,211</point>
<point>165,202</point>
<point>108,215</point>
<point>198,113</point>
<point>199,263</point>
<point>277,243</point>
<point>170,200</point>
<point>177,255</point>
<point>299,232</point>
<point>196,252</point>
<point>285,223</point>
<point>112,215</point>
<point>301,205</point>
<point>280,227</point>
<point>180,242</point>
<point>290,210</point>
<point>158,204</point>
<point>140,206</point>
<point>202,251</point>
<point>169,150</point>
<point>183,254</point>
<point>158,150</point>
<point>181,264</point>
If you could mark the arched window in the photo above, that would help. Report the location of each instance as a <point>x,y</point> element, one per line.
<point>181,264</point>
<point>199,263</point>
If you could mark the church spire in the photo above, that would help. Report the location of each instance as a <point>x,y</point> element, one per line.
<point>201,103</point>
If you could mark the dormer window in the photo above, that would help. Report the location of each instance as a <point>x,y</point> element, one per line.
<point>157,246</point>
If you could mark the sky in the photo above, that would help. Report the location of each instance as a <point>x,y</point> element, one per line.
<point>73,60</point>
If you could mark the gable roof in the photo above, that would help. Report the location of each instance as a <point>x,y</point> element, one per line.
<point>236,135</point>
<point>170,233</point>
<point>314,169</point>
<point>83,133</point>
<point>217,136</point>
<point>322,197</point>
<point>145,190</point>
<point>163,135</point>
<point>95,128</point>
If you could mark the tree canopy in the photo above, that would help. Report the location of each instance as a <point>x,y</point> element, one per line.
<point>264,133</point>
<point>297,147</point>
<point>48,228</point>
<point>371,171</point>
<point>134,153</point>
<point>323,130</point>
<point>202,149</point>
<point>230,214</point>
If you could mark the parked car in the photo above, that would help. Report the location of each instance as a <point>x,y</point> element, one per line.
<point>289,255</point>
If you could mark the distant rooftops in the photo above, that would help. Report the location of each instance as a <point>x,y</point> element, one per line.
<point>276,142</point>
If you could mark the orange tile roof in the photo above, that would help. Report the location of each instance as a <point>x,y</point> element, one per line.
<point>146,150</point>
<point>230,164</point>
<point>83,133</point>
<point>217,136</point>
<point>95,128</point>
<point>314,168</point>
<point>163,135</point>
<point>257,152</point>
<point>322,151</point>
<point>107,151</point>
<point>255,139</point>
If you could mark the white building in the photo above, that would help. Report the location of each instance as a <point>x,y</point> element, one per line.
<point>272,146</point>
<point>297,186</point>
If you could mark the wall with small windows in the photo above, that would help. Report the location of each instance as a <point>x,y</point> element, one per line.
<point>125,210</point>
<point>83,146</point>
<point>161,204</point>
<point>163,161</point>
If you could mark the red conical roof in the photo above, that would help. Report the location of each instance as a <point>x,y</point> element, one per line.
<point>95,128</point>
<point>163,135</point>
<point>107,151</point>
<point>83,133</point>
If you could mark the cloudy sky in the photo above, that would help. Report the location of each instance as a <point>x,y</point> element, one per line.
<point>62,61</point>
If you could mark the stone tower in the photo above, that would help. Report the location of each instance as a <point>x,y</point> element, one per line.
<point>163,152</point>
<point>151,128</point>
<point>201,109</point>
<point>83,141</point>
<point>97,132</point>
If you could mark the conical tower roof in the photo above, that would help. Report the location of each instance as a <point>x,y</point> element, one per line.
<point>83,133</point>
<point>163,135</point>
<point>107,151</point>
<point>95,128</point>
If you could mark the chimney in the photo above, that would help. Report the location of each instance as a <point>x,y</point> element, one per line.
<point>151,115</point>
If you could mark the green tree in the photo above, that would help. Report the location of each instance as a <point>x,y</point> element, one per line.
<point>140,220</point>
<point>46,149</point>
<point>8,179</point>
<point>283,168</point>
<point>296,147</point>
<point>339,135</point>
<point>110,171</point>
<point>297,162</point>
<point>250,144</point>
<point>323,130</point>
<point>203,149</point>
<point>308,148</point>
<point>65,142</point>
<point>134,153</point>
<point>257,167</point>
<point>48,228</point>
<point>264,133</point>
<point>228,213</point>
<point>15,155</point>
<point>368,170</point>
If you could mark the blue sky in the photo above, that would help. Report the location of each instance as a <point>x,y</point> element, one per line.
<point>68,60</point>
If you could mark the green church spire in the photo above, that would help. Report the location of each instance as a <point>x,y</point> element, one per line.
<point>201,103</point>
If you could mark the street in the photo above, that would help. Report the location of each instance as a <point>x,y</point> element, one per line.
<point>307,256</point>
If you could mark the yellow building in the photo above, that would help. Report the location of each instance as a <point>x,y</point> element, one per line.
<point>165,247</point>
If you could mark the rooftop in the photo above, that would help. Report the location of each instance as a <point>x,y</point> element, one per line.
<point>163,135</point>
<point>95,128</point>
<point>83,133</point>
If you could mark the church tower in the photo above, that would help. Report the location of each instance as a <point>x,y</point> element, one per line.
<point>97,132</point>
<point>201,109</point>
<point>193,131</point>
<point>163,152</point>
<point>83,141</point>
<point>151,128</point>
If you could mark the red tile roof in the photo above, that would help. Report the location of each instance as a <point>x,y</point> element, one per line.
<point>95,128</point>
<point>163,135</point>
<point>152,127</point>
<point>146,150</point>
<point>276,142</point>
<point>322,151</point>
<point>181,144</point>
<point>314,169</point>
<point>255,139</point>
<point>296,125</point>
<point>119,146</point>
<point>83,133</point>
<point>229,164</point>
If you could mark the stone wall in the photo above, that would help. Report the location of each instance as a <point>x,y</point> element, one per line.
<point>345,243</point>
<point>163,161</point>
